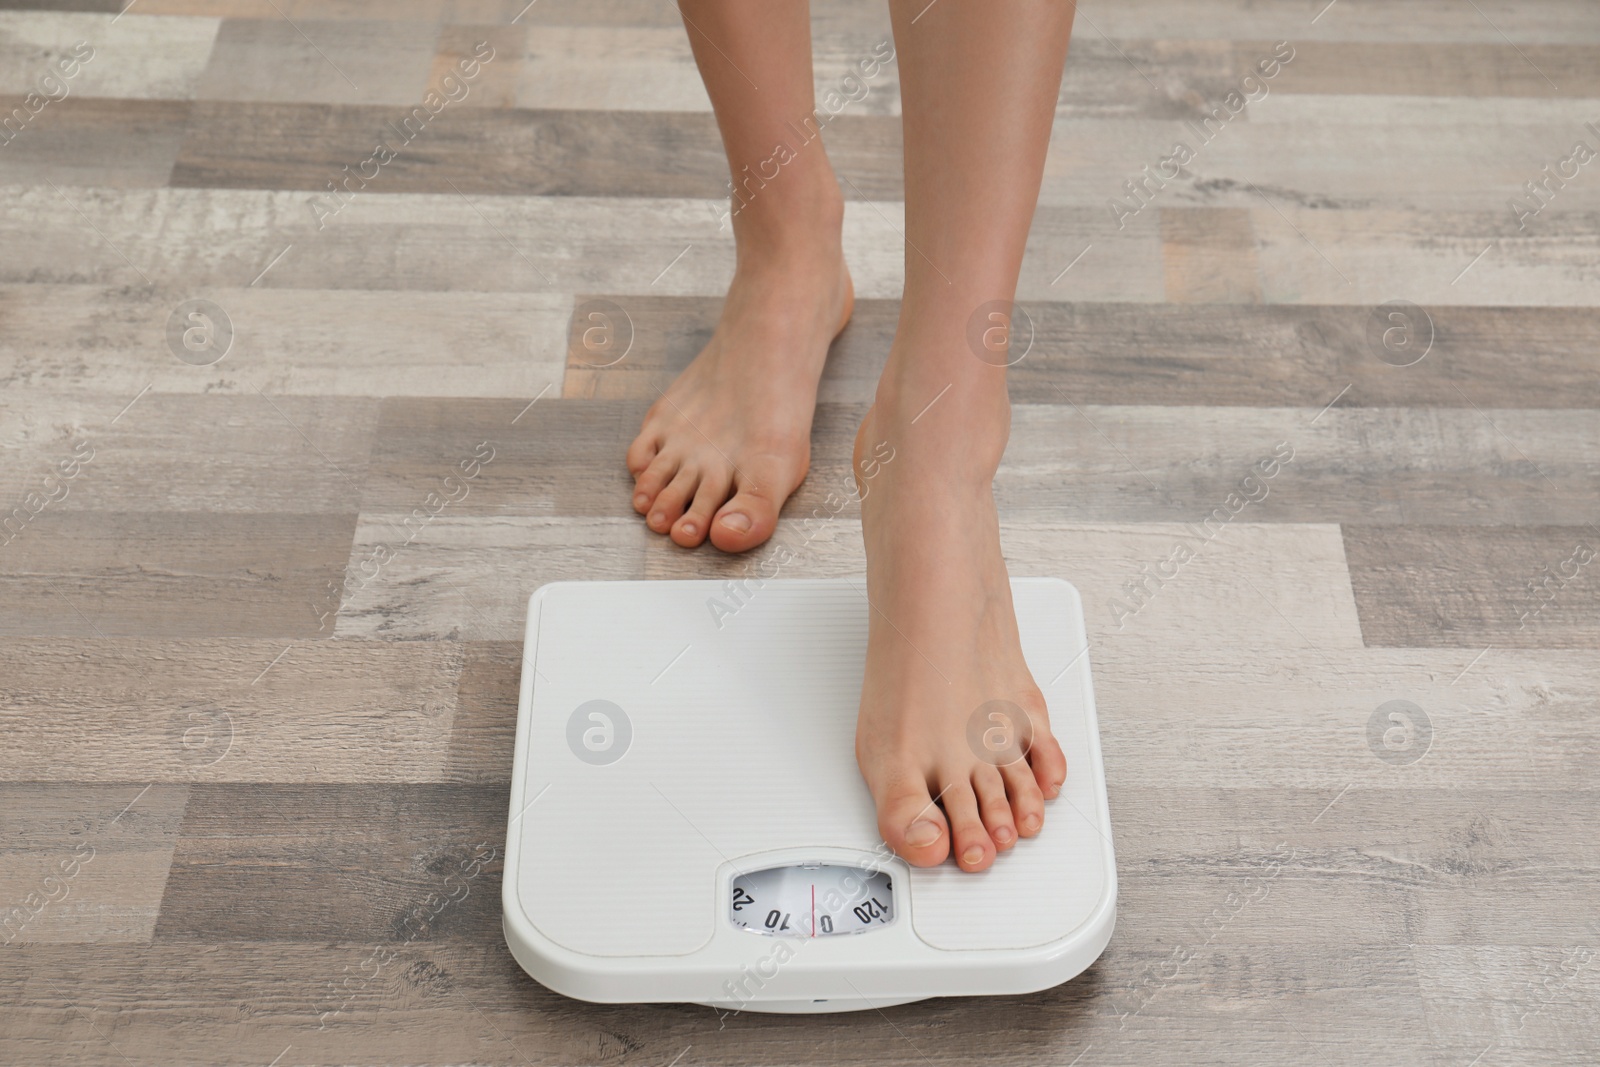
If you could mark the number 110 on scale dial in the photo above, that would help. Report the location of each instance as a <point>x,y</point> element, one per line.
<point>811,900</point>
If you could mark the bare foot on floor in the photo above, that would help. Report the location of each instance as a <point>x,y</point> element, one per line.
<point>942,641</point>
<point>730,439</point>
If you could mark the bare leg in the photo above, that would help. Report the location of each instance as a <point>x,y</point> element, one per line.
<point>728,442</point>
<point>979,86</point>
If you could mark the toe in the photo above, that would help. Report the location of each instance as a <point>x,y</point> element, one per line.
<point>642,452</point>
<point>648,485</point>
<point>993,807</point>
<point>746,520</point>
<point>974,849</point>
<point>1026,800</point>
<point>1049,763</point>
<point>671,501</point>
<point>911,823</point>
<point>691,530</point>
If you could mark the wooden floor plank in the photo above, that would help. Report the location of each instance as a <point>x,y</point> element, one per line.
<point>447,1004</point>
<point>220,709</point>
<point>543,152</point>
<point>173,574</point>
<point>124,58</point>
<point>1455,586</point>
<point>345,62</point>
<point>400,846</point>
<point>151,452</point>
<point>1315,257</point>
<point>97,142</point>
<point>492,244</point>
<point>85,863</point>
<point>1209,256</point>
<point>564,457</point>
<point>288,342</point>
<point>1246,355</point>
<point>1447,69</point>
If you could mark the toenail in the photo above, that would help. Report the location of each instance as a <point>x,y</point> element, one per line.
<point>736,520</point>
<point>972,856</point>
<point>1031,822</point>
<point>922,832</point>
<point>656,517</point>
<point>688,528</point>
<point>640,498</point>
<point>1003,834</point>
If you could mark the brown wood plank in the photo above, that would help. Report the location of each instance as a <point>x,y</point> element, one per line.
<point>1472,586</point>
<point>499,151</point>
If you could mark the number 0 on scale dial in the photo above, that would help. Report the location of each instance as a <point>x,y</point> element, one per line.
<point>811,900</point>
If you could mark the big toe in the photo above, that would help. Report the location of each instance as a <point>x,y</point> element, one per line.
<point>911,823</point>
<point>746,520</point>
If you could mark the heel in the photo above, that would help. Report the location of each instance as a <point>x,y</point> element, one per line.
<point>849,302</point>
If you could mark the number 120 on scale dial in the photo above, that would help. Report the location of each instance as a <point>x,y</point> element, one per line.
<point>811,900</point>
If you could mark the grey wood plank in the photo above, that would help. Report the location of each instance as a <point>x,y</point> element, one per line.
<point>137,58</point>
<point>1122,463</point>
<point>448,242</point>
<point>1209,256</point>
<point>155,452</point>
<point>467,577</point>
<point>390,847</point>
<point>1359,20</point>
<point>1446,69</point>
<point>1313,256</point>
<point>292,342</point>
<point>97,142</point>
<point>443,1003</point>
<point>485,725</point>
<point>1247,355</point>
<point>368,61</point>
<point>1451,154</point>
<point>1203,703</point>
<point>220,709</point>
<point>1454,586</point>
<point>172,574</point>
<point>541,456</point>
<point>83,862</point>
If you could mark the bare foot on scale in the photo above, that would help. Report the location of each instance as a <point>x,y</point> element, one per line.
<point>942,642</point>
<point>729,441</point>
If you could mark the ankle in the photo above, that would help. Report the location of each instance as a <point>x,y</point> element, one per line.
<point>960,420</point>
<point>796,217</point>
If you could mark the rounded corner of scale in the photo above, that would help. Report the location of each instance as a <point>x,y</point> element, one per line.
<point>536,597</point>
<point>531,949</point>
<point>1065,585</point>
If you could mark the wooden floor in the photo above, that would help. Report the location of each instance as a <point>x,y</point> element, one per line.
<point>258,676</point>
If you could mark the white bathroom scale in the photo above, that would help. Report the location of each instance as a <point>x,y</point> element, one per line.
<point>688,824</point>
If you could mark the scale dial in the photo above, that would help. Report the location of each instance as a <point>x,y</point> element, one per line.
<point>811,900</point>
